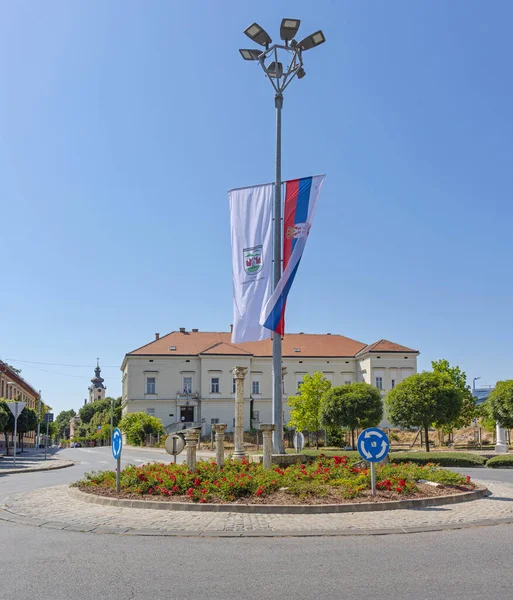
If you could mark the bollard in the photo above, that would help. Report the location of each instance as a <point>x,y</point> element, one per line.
<point>220,428</point>
<point>191,440</point>
<point>267,433</point>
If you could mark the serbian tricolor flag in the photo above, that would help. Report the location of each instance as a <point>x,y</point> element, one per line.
<point>301,197</point>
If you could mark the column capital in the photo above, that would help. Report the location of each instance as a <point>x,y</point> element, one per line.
<point>191,437</point>
<point>219,427</point>
<point>240,372</point>
<point>265,427</point>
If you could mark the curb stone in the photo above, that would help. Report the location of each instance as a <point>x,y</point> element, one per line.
<point>294,509</point>
<point>47,467</point>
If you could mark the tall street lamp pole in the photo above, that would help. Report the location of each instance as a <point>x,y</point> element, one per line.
<point>474,384</point>
<point>280,77</point>
<point>38,418</point>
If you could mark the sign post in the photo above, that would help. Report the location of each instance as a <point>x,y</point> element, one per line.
<point>174,444</point>
<point>373,446</point>
<point>117,445</point>
<point>16,408</point>
<point>299,441</point>
<point>48,418</point>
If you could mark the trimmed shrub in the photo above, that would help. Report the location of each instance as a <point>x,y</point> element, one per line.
<point>444,459</point>
<point>497,462</point>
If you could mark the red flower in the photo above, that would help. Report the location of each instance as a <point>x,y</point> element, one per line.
<point>190,492</point>
<point>175,488</point>
<point>401,482</point>
<point>150,490</point>
<point>399,489</point>
<point>196,482</point>
<point>468,478</point>
<point>203,490</point>
<point>202,500</point>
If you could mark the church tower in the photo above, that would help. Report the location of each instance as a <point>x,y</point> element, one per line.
<point>97,389</point>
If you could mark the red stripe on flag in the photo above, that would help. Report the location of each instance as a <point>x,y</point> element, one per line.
<point>291,194</point>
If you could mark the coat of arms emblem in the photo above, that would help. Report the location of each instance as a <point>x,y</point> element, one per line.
<point>253,262</point>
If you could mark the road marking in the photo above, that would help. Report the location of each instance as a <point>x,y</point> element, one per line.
<point>103,462</point>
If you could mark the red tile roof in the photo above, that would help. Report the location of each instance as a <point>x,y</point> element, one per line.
<point>386,346</point>
<point>192,343</point>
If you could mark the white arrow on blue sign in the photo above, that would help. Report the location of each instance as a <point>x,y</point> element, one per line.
<point>117,443</point>
<point>373,444</point>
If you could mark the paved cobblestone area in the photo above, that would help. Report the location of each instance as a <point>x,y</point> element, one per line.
<point>54,507</point>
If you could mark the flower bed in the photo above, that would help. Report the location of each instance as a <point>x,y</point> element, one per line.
<point>328,480</point>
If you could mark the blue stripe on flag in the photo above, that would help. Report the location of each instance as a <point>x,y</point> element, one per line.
<point>275,315</point>
<point>303,200</point>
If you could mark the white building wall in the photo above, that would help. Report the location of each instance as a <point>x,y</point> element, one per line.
<point>169,371</point>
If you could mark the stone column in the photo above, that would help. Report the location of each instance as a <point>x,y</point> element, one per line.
<point>501,445</point>
<point>267,433</point>
<point>220,428</point>
<point>239,374</point>
<point>191,440</point>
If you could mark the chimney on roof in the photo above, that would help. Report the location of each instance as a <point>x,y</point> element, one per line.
<point>182,329</point>
<point>157,335</point>
<point>231,328</point>
<point>195,330</point>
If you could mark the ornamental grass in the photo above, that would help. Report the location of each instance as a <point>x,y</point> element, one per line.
<point>333,477</point>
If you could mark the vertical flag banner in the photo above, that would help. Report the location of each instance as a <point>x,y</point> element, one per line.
<point>251,233</point>
<point>301,197</point>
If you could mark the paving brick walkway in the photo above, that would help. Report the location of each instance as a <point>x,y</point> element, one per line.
<point>55,507</point>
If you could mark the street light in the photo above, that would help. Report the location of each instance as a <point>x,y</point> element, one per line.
<point>474,384</point>
<point>280,73</point>
<point>250,54</point>
<point>258,35</point>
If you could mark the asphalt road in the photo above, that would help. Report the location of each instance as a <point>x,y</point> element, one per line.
<point>40,563</point>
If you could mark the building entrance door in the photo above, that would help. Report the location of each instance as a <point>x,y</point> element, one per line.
<point>187,414</point>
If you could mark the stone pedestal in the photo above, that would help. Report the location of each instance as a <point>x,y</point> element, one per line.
<point>267,433</point>
<point>220,428</point>
<point>501,445</point>
<point>239,374</point>
<point>191,441</point>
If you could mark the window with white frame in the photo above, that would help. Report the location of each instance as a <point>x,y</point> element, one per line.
<point>256,416</point>
<point>379,383</point>
<point>187,384</point>
<point>392,383</point>
<point>255,386</point>
<point>299,384</point>
<point>234,385</point>
<point>215,385</point>
<point>151,384</point>
<point>347,382</point>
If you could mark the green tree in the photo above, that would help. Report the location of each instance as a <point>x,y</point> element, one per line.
<point>137,425</point>
<point>305,413</point>
<point>62,423</point>
<point>423,400</point>
<point>500,403</point>
<point>469,410</point>
<point>354,405</point>
<point>4,419</point>
<point>27,421</point>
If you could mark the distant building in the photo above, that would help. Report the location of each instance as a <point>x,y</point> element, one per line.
<point>97,389</point>
<point>186,376</point>
<point>14,387</point>
<point>481,394</point>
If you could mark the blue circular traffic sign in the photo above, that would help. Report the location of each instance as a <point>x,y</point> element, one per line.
<point>117,443</point>
<point>373,444</point>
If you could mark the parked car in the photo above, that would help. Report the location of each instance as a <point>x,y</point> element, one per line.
<point>72,445</point>
<point>78,445</point>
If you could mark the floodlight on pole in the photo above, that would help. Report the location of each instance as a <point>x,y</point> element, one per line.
<point>289,28</point>
<point>279,73</point>
<point>258,35</point>
<point>313,40</point>
<point>250,54</point>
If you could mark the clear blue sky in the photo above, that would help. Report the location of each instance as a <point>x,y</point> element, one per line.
<point>124,123</point>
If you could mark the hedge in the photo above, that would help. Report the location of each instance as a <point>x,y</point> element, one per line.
<point>444,459</point>
<point>500,461</point>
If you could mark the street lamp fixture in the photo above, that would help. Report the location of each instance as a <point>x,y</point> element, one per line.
<point>313,40</point>
<point>474,383</point>
<point>280,72</point>
<point>250,54</point>
<point>289,28</point>
<point>258,35</point>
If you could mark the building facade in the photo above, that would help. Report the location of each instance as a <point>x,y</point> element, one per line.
<point>14,388</point>
<point>186,376</point>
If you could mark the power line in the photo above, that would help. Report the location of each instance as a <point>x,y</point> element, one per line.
<point>35,362</point>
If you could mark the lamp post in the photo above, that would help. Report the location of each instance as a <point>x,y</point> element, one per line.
<point>279,77</point>
<point>38,418</point>
<point>474,384</point>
